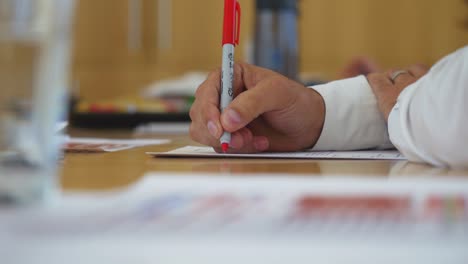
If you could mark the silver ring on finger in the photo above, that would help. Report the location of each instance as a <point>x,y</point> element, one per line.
<point>397,73</point>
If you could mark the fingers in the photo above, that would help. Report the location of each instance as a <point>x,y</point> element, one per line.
<point>359,65</point>
<point>202,133</point>
<point>252,75</point>
<point>257,91</point>
<point>205,107</point>
<point>379,81</point>
<point>205,115</point>
<point>243,142</point>
<point>271,94</point>
<point>408,76</point>
<point>385,91</point>
<point>388,86</point>
<point>205,127</point>
<point>403,80</point>
<point>239,83</point>
<point>418,70</point>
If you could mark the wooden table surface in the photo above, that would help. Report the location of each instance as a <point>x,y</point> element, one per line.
<point>103,171</point>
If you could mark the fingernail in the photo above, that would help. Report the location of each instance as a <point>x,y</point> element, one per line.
<point>212,129</point>
<point>233,117</point>
<point>261,144</point>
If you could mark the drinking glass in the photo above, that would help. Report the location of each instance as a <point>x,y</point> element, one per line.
<point>34,59</point>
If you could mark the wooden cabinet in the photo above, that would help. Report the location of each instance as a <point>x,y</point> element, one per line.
<point>110,47</point>
<point>395,33</point>
<point>101,33</point>
<point>123,45</point>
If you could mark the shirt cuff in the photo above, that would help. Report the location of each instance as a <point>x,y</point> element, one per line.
<point>352,119</point>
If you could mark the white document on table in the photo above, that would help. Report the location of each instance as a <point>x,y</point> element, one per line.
<point>197,151</point>
<point>108,145</point>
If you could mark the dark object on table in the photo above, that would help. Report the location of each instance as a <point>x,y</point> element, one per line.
<point>129,113</point>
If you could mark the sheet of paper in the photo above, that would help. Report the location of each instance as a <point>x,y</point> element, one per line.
<point>256,205</point>
<point>254,218</point>
<point>195,151</point>
<point>107,145</point>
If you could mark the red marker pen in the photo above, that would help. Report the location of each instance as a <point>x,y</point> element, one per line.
<point>231,30</point>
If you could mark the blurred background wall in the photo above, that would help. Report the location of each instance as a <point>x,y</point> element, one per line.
<point>123,45</point>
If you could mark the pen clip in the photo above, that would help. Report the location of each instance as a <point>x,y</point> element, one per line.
<point>238,23</point>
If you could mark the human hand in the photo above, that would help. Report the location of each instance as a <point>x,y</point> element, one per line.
<point>387,90</point>
<point>359,66</point>
<point>269,112</point>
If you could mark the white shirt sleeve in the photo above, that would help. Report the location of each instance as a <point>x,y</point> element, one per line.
<point>429,122</point>
<point>352,119</point>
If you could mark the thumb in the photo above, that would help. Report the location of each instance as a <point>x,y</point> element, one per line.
<point>269,95</point>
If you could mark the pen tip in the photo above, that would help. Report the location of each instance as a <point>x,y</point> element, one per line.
<point>225,147</point>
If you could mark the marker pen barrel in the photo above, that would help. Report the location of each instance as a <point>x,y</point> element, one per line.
<point>231,29</point>
<point>227,78</point>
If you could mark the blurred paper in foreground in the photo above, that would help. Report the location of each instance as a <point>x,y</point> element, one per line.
<point>249,219</point>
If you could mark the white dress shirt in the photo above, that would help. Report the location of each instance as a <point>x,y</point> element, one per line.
<point>429,122</point>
